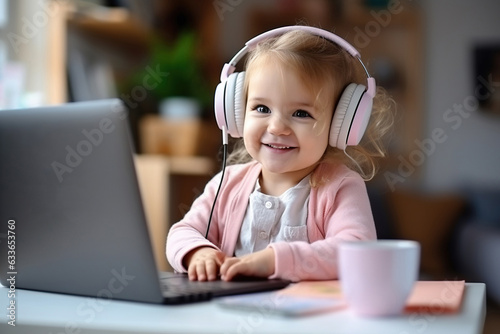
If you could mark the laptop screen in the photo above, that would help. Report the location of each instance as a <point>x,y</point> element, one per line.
<point>70,204</point>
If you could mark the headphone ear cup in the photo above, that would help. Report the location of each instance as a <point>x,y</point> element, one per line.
<point>339,114</point>
<point>344,115</point>
<point>360,120</point>
<point>239,103</point>
<point>234,103</point>
<point>219,107</point>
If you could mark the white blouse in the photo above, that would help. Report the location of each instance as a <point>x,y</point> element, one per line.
<point>270,219</point>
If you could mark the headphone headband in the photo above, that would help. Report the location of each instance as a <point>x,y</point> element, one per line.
<point>251,44</point>
<point>315,31</point>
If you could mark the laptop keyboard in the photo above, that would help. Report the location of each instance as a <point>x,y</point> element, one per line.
<point>186,292</point>
<point>178,289</point>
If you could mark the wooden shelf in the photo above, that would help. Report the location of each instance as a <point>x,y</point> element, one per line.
<point>121,32</point>
<point>398,40</point>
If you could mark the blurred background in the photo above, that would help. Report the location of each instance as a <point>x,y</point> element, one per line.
<point>440,60</point>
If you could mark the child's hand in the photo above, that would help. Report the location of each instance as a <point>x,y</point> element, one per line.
<point>203,263</point>
<point>259,264</point>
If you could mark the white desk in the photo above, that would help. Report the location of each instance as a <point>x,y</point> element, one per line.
<point>38,312</point>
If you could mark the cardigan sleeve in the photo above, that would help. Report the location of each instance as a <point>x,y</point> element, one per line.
<point>337,211</point>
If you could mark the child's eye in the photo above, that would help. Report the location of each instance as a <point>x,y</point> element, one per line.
<point>301,114</point>
<point>262,109</point>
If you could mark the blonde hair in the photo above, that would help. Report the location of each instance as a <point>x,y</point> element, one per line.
<point>324,65</point>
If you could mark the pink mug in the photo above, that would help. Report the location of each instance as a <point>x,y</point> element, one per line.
<point>377,277</point>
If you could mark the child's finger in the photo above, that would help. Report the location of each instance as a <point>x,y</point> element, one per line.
<point>233,268</point>
<point>211,269</point>
<point>192,272</point>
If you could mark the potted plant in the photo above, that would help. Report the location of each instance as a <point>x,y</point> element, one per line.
<point>182,83</point>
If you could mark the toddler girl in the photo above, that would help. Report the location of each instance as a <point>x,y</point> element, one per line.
<point>293,190</point>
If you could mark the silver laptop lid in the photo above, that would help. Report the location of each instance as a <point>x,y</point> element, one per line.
<point>71,216</point>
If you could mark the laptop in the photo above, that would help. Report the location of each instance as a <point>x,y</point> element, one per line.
<point>71,215</point>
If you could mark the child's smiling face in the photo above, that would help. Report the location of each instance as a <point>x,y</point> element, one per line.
<point>286,129</point>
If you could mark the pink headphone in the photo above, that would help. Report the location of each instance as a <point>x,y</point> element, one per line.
<point>350,118</point>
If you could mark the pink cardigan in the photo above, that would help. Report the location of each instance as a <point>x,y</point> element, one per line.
<point>338,210</point>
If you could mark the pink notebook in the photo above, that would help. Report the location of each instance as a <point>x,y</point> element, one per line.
<point>436,297</point>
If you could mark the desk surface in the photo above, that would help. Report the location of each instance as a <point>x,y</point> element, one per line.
<point>39,312</point>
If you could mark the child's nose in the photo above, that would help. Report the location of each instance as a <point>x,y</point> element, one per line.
<point>278,125</point>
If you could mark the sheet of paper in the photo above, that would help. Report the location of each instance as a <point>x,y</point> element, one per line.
<point>281,303</point>
<point>318,289</point>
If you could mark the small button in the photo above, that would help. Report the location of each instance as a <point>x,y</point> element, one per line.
<point>269,204</point>
<point>262,235</point>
